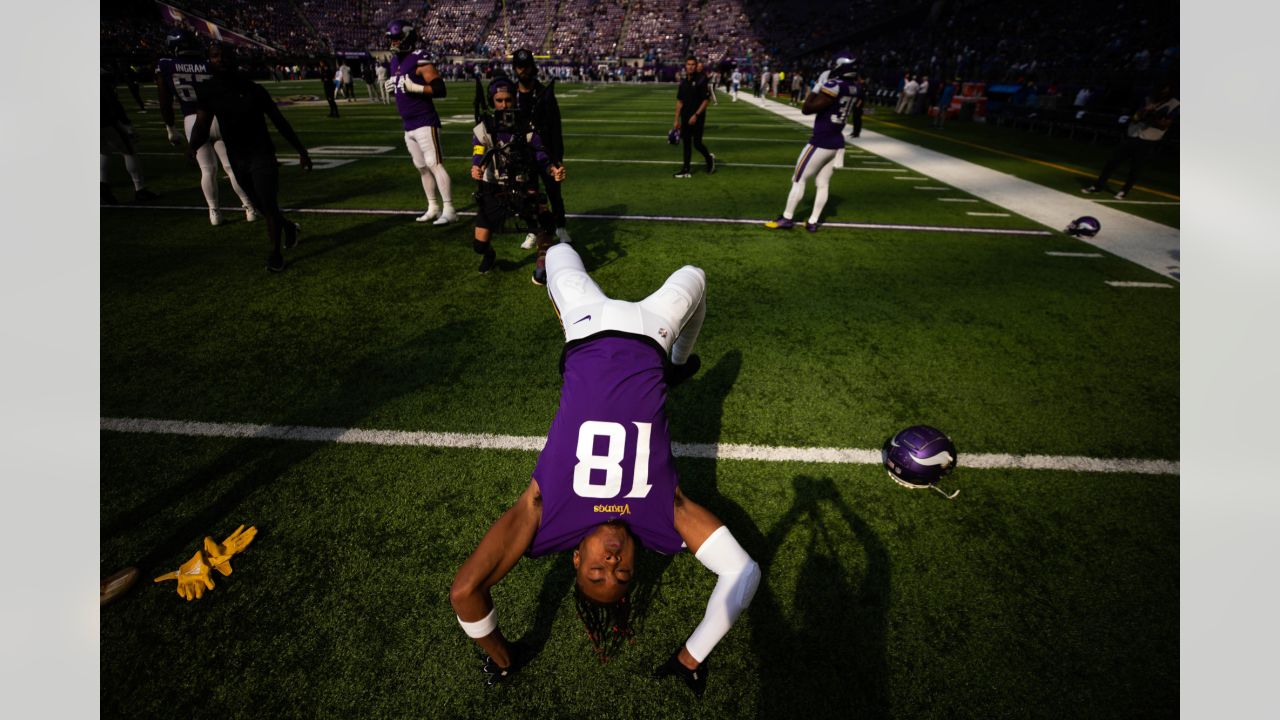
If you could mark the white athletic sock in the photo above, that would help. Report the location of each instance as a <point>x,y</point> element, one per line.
<point>443,184</point>
<point>793,199</point>
<point>428,186</point>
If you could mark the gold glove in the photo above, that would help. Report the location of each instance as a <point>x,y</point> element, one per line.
<point>192,576</point>
<point>220,555</point>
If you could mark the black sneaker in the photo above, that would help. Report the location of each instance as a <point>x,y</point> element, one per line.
<point>711,165</point>
<point>144,195</point>
<point>291,230</point>
<point>486,262</point>
<point>275,263</point>
<point>684,173</point>
<point>539,276</point>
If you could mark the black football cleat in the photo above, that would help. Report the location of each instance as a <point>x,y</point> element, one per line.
<point>291,230</point>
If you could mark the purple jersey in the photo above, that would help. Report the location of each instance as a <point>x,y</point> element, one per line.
<point>416,109</point>
<point>828,126</point>
<point>181,75</point>
<point>608,453</point>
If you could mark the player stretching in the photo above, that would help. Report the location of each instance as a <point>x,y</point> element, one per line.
<point>414,81</point>
<point>605,483</point>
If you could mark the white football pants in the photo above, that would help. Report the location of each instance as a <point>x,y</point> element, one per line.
<point>817,163</point>
<point>207,158</point>
<point>424,148</point>
<point>672,315</point>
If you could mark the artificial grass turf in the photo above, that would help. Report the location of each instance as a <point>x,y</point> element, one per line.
<point>828,340</point>
<point>1047,593</point>
<point>1043,594</point>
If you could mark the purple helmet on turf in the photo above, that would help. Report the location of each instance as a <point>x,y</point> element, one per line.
<point>1086,226</point>
<point>402,35</point>
<point>919,456</point>
<point>673,137</point>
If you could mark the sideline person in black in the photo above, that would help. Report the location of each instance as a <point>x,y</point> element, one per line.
<point>242,107</point>
<point>691,106</point>
<point>326,79</point>
<point>533,97</point>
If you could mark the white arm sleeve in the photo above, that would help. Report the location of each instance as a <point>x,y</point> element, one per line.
<point>739,578</point>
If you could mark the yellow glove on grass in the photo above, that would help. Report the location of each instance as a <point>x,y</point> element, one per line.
<point>192,576</point>
<point>220,555</point>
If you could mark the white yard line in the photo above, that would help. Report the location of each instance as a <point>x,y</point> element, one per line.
<point>1149,244</point>
<point>721,451</point>
<point>638,218</point>
<point>1130,284</point>
<point>1072,254</point>
<point>987,214</point>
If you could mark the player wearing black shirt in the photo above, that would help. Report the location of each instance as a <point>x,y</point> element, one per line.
<point>533,97</point>
<point>242,107</point>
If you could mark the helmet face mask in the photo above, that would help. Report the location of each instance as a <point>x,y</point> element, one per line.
<point>401,36</point>
<point>919,456</point>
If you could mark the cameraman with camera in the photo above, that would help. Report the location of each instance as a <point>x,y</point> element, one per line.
<point>539,103</point>
<point>507,158</point>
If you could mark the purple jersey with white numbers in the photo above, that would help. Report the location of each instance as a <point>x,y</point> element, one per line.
<point>416,109</point>
<point>608,453</point>
<point>828,126</point>
<point>181,75</point>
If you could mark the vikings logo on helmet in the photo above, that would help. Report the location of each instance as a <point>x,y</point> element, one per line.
<point>919,456</point>
<point>402,35</point>
<point>673,137</point>
<point>1086,226</point>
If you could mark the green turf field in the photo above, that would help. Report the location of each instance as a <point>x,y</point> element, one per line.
<point>1036,593</point>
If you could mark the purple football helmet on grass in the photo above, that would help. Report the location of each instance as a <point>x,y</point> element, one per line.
<point>919,456</point>
<point>1086,226</point>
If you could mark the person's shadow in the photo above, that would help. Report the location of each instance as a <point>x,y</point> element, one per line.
<point>826,636</point>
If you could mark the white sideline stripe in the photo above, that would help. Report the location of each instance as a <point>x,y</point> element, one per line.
<point>1071,254</point>
<point>718,451</point>
<point>987,214</point>
<point>1149,244</point>
<point>911,178</point>
<point>641,218</point>
<point>1128,284</point>
<point>957,200</point>
<point>922,187</point>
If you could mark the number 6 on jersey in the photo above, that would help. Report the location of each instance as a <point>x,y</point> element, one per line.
<point>611,461</point>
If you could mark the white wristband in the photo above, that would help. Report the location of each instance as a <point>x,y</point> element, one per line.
<point>480,628</point>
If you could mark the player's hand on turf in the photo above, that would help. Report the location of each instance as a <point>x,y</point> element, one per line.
<point>677,374</point>
<point>495,674</point>
<point>695,679</point>
<point>219,555</point>
<point>193,577</point>
<point>175,138</point>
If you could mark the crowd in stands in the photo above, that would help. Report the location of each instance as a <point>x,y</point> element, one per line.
<point>1122,50</point>
<point>587,29</point>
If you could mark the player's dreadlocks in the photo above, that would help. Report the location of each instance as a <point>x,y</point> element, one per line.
<point>607,625</point>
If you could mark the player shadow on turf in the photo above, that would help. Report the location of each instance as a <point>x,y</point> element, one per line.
<point>311,246</point>
<point>595,239</point>
<point>827,647</point>
<point>191,508</point>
